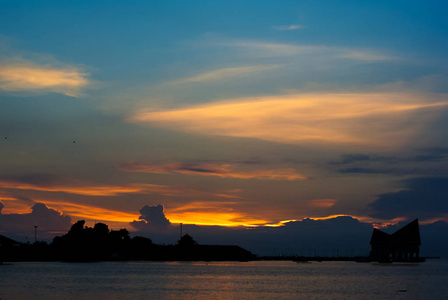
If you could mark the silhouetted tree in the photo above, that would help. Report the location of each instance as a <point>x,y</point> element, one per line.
<point>101,229</point>
<point>186,241</point>
<point>77,227</point>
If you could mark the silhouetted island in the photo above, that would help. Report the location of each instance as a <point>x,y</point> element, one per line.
<point>99,243</point>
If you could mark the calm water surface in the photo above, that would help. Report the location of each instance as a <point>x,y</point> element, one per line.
<point>231,280</point>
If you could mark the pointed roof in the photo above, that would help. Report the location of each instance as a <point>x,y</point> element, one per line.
<point>408,235</point>
<point>379,237</point>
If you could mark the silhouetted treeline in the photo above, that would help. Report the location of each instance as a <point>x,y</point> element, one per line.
<point>99,243</point>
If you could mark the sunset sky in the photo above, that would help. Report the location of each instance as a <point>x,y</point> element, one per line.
<point>249,114</point>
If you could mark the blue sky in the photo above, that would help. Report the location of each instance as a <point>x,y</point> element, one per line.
<point>227,113</point>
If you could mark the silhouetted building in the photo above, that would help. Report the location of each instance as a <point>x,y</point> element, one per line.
<point>7,248</point>
<point>401,246</point>
<point>7,242</point>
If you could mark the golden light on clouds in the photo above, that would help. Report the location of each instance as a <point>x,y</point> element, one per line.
<point>383,119</point>
<point>83,211</point>
<point>14,206</point>
<point>219,170</point>
<point>33,77</point>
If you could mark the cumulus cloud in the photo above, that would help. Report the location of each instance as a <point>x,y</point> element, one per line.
<point>385,120</point>
<point>23,75</point>
<point>152,217</point>
<point>222,170</point>
<point>42,216</point>
<point>423,198</point>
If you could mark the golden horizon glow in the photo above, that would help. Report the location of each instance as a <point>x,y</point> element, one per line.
<point>222,170</point>
<point>194,213</point>
<point>213,214</point>
<point>294,119</point>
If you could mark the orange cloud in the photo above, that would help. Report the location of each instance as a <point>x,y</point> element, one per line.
<point>14,206</point>
<point>28,76</point>
<point>88,189</point>
<point>223,170</point>
<point>80,211</point>
<point>83,211</point>
<point>323,203</point>
<point>383,119</point>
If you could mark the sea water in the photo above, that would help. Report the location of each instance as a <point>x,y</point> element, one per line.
<point>223,280</point>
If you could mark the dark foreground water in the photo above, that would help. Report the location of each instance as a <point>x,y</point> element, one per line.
<point>224,280</point>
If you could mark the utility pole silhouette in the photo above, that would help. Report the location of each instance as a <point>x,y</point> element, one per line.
<point>35,233</point>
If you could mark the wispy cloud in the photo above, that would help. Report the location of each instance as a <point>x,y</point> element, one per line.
<point>89,189</point>
<point>227,73</point>
<point>266,49</point>
<point>272,49</point>
<point>384,119</point>
<point>288,27</point>
<point>22,75</point>
<point>222,170</point>
<point>364,55</point>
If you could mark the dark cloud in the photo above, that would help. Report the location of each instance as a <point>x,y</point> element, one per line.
<point>152,217</point>
<point>350,158</point>
<point>418,155</point>
<point>420,198</point>
<point>35,179</point>
<point>434,238</point>
<point>432,154</point>
<point>47,219</point>
<point>336,236</point>
<point>416,161</point>
<point>367,171</point>
<point>197,170</point>
<point>366,164</point>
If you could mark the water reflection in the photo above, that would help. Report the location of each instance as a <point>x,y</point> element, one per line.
<point>223,280</point>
